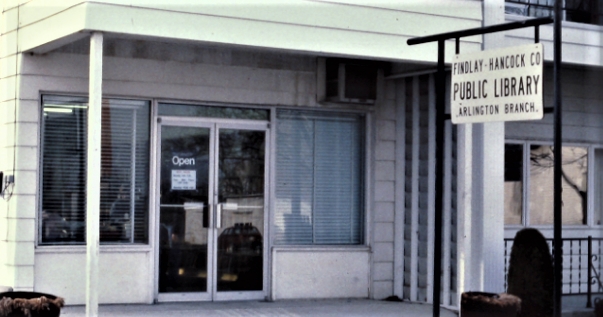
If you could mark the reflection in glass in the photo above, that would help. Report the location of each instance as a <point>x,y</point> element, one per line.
<point>212,112</point>
<point>183,209</point>
<point>574,182</point>
<point>319,178</point>
<point>241,198</point>
<point>598,197</point>
<point>124,183</point>
<point>513,183</point>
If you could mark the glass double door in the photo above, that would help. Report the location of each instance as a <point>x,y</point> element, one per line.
<point>211,210</point>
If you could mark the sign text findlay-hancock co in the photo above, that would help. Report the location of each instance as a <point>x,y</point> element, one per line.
<point>497,85</point>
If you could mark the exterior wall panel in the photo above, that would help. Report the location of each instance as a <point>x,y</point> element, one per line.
<point>321,274</point>
<point>124,276</point>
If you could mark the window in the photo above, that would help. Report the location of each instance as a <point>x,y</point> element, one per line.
<point>533,164</point>
<point>124,171</point>
<point>582,11</point>
<point>319,178</point>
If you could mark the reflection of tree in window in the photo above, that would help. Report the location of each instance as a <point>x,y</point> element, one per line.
<point>241,163</point>
<point>574,175</point>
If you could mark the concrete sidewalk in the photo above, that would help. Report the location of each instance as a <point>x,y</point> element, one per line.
<point>286,308</point>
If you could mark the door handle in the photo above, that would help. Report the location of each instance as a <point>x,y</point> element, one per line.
<point>218,216</point>
<point>206,214</point>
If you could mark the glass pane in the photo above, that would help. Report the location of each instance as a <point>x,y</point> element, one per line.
<point>124,171</point>
<point>580,11</point>
<point>598,209</point>
<point>295,180</point>
<point>179,110</point>
<point>124,174</point>
<point>319,175</point>
<point>184,213</point>
<point>517,8</point>
<point>513,183</point>
<point>332,70</point>
<point>337,182</point>
<point>64,175</point>
<point>574,182</point>
<point>241,198</point>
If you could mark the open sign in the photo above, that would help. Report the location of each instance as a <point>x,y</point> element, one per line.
<point>179,161</point>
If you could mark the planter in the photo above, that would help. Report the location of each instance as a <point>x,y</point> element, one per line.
<point>479,304</point>
<point>30,304</point>
<point>598,307</point>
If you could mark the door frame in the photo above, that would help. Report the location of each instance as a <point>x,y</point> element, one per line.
<point>214,124</point>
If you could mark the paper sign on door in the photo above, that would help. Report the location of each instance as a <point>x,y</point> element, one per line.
<point>184,179</point>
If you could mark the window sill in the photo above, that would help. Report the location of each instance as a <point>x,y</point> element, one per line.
<point>551,227</point>
<point>320,248</point>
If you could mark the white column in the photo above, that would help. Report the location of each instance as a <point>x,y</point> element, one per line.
<point>465,277</point>
<point>93,172</point>
<point>490,139</point>
<point>481,189</point>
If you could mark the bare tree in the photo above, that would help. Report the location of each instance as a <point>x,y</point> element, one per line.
<point>543,158</point>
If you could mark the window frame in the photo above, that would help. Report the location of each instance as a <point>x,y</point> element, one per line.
<point>590,175</point>
<point>105,245</point>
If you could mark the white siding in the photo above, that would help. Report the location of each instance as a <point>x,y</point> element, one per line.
<point>582,111</point>
<point>411,223</point>
<point>416,99</point>
<point>385,248</point>
<point>582,43</point>
<point>18,157</point>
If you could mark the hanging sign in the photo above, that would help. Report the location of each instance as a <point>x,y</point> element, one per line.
<point>497,85</point>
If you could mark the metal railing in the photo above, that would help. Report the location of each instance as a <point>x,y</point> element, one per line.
<point>582,11</point>
<point>582,266</point>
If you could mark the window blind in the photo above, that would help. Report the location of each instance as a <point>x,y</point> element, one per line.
<point>124,171</point>
<point>319,174</point>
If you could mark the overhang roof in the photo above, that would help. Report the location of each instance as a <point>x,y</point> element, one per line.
<point>326,27</point>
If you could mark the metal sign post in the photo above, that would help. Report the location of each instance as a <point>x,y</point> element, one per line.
<point>557,243</point>
<point>440,119</point>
